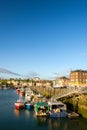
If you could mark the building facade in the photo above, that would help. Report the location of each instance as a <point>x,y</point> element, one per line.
<point>61,82</point>
<point>78,78</point>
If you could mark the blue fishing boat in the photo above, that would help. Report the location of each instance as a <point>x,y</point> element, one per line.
<point>29,105</point>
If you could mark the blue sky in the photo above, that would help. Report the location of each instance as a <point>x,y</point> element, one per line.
<point>43,37</point>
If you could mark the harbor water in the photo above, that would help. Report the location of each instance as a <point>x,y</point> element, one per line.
<point>12,119</point>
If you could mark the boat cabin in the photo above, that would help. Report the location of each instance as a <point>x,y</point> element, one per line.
<point>57,109</point>
<point>41,109</point>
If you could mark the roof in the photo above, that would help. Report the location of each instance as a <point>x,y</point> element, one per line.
<point>41,104</point>
<point>79,70</point>
<point>55,103</point>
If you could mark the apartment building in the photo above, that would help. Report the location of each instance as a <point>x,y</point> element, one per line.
<point>78,78</point>
<point>61,82</point>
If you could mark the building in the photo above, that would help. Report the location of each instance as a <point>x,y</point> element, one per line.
<point>43,83</point>
<point>78,78</point>
<point>36,79</point>
<point>61,82</point>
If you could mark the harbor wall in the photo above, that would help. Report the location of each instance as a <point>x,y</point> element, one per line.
<point>77,104</point>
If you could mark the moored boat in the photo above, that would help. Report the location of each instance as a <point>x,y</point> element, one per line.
<point>19,104</point>
<point>41,109</point>
<point>29,105</point>
<point>57,109</point>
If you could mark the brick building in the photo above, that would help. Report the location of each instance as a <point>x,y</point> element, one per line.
<point>78,78</point>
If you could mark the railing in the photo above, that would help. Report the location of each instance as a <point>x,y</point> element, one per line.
<point>59,92</point>
<point>70,91</point>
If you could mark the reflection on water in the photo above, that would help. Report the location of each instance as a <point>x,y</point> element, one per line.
<point>57,124</point>
<point>41,121</point>
<point>27,113</point>
<point>12,119</point>
<point>16,112</point>
<point>52,123</point>
<point>61,123</point>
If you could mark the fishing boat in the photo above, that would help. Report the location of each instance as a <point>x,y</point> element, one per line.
<point>57,109</point>
<point>29,105</point>
<point>41,109</point>
<point>19,104</point>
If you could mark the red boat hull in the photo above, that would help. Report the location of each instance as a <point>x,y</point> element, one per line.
<point>19,105</point>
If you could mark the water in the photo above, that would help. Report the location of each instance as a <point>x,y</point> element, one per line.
<point>11,119</point>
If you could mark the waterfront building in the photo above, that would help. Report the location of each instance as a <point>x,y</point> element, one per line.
<point>30,84</point>
<point>61,82</point>
<point>43,83</point>
<point>78,78</point>
<point>36,79</point>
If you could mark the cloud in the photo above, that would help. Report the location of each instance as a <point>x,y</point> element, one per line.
<point>62,73</point>
<point>5,71</point>
<point>32,74</point>
<point>55,74</point>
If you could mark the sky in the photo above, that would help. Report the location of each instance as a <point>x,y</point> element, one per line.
<point>44,38</point>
